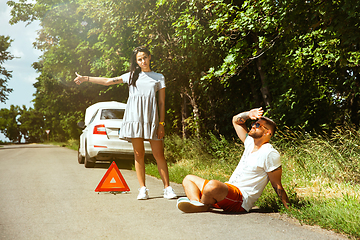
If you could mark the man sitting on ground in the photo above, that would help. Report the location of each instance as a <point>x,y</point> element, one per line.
<point>259,164</point>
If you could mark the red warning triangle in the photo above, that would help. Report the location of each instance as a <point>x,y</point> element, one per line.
<point>112,181</point>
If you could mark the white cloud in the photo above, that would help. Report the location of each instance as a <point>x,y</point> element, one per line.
<point>16,52</point>
<point>31,78</point>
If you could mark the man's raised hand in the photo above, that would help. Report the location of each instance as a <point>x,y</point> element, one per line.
<point>256,113</point>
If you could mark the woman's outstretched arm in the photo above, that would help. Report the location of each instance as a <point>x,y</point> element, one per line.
<point>98,80</point>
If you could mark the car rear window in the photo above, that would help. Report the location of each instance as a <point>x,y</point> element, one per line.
<point>112,114</point>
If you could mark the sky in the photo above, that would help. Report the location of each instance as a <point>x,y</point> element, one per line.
<point>23,75</point>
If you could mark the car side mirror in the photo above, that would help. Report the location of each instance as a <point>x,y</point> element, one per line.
<point>81,124</point>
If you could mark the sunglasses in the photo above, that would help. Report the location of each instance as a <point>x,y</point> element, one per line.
<point>257,125</point>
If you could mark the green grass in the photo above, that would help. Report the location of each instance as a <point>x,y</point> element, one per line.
<point>71,144</point>
<point>341,214</point>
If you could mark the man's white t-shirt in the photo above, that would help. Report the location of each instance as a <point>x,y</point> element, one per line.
<point>250,176</point>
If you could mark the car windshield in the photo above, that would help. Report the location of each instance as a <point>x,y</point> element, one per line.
<point>112,114</point>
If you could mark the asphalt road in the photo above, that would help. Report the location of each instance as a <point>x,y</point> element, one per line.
<point>46,194</point>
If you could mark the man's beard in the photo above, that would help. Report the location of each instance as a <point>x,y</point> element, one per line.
<point>255,134</point>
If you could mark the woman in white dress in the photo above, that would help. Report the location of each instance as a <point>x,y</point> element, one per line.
<point>141,120</point>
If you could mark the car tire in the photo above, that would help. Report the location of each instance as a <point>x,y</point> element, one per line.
<point>89,161</point>
<point>80,157</point>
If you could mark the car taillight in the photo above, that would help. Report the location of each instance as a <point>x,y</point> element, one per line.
<point>100,129</point>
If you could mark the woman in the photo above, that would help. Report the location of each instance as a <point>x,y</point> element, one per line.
<point>141,121</point>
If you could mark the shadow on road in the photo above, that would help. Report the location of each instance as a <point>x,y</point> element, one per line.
<point>254,210</point>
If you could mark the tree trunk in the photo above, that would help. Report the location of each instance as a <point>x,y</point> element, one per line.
<point>194,105</point>
<point>264,88</point>
<point>212,112</point>
<point>184,115</point>
<point>195,110</point>
<point>354,110</point>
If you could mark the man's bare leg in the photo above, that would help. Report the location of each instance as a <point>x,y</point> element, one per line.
<point>214,191</point>
<point>193,185</point>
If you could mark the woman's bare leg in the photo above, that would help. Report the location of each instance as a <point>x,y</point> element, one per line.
<point>139,153</point>
<point>158,152</point>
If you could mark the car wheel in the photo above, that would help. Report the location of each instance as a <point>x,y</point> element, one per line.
<point>80,157</point>
<point>89,161</point>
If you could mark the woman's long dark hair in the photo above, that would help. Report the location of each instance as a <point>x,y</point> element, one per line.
<point>134,67</point>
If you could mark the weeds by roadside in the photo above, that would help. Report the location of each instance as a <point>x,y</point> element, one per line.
<point>71,144</point>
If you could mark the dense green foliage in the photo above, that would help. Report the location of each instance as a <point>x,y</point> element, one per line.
<point>299,60</point>
<point>16,123</point>
<point>5,75</point>
<point>8,123</point>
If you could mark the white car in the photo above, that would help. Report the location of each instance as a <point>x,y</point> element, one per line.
<point>100,137</point>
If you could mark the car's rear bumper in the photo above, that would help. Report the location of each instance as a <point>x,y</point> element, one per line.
<point>104,155</point>
<point>115,148</point>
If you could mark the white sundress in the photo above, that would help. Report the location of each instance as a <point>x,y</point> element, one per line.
<point>141,115</point>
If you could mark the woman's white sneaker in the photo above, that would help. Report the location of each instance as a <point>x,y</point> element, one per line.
<point>169,193</point>
<point>143,193</point>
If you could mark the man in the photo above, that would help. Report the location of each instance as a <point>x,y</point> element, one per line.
<point>259,164</point>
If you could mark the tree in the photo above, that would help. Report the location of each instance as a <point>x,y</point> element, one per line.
<point>31,125</point>
<point>8,123</point>
<point>5,75</point>
<point>299,60</point>
<point>300,55</point>
<point>57,98</point>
